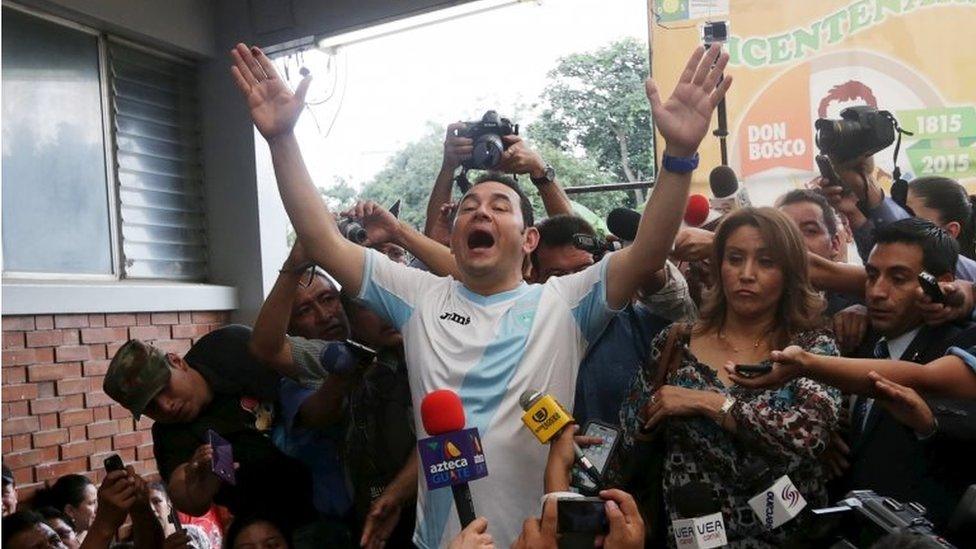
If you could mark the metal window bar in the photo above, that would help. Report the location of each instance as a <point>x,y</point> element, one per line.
<point>157,164</point>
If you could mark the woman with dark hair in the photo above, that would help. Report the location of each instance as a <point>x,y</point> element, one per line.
<point>255,532</point>
<point>735,441</point>
<point>76,497</point>
<point>62,524</point>
<point>946,203</point>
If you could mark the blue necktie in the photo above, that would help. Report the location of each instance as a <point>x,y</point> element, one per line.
<point>861,407</point>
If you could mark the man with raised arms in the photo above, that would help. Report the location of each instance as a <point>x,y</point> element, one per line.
<point>488,335</point>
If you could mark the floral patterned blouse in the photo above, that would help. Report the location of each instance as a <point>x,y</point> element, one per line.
<point>778,432</point>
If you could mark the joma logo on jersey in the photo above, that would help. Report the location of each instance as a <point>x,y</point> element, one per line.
<point>454,317</point>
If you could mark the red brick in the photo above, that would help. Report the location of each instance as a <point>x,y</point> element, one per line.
<point>45,389</point>
<point>77,433</point>
<point>97,398</point>
<point>149,333</point>
<point>112,348</point>
<point>77,449</point>
<point>144,423</point>
<point>20,443</point>
<point>128,455</point>
<point>71,321</point>
<point>23,476</point>
<point>5,446</point>
<point>70,337</point>
<point>119,412</point>
<point>55,404</point>
<point>96,367</point>
<point>101,413</point>
<point>103,444</point>
<point>186,318</point>
<point>44,322</point>
<point>165,318</point>
<point>16,409</point>
<point>75,417</point>
<point>120,319</point>
<point>96,321</point>
<point>14,374</point>
<point>207,317</point>
<point>51,471</point>
<point>102,429</point>
<point>14,323</point>
<point>130,440</point>
<point>126,425</point>
<point>20,391</point>
<point>13,340</point>
<point>187,331</point>
<point>72,386</point>
<point>95,382</point>
<point>178,346</point>
<point>143,319</point>
<point>20,426</point>
<point>19,460</point>
<point>103,335</point>
<point>47,338</point>
<point>67,353</point>
<point>98,351</point>
<point>19,357</point>
<point>144,452</point>
<point>96,460</point>
<point>53,372</point>
<point>44,439</point>
<point>48,422</point>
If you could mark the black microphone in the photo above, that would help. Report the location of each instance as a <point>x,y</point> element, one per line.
<point>623,222</point>
<point>701,525</point>
<point>729,195</point>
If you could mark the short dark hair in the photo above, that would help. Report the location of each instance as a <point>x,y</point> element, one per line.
<point>51,513</point>
<point>67,490</point>
<point>558,230</point>
<point>953,203</point>
<point>497,177</point>
<point>16,523</point>
<point>940,251</point>
<point>238,524</point>
<point>797,196</point>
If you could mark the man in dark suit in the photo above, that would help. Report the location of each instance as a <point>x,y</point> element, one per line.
<point>903,445</point>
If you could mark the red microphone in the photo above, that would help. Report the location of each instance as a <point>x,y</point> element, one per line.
<point>697,210</point>
<point>442,412</point>
<point>451,455</point>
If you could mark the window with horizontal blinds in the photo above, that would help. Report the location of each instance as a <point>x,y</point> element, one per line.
<point>158,165</point>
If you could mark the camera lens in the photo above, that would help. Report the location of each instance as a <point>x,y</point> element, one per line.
<point>487,152</point>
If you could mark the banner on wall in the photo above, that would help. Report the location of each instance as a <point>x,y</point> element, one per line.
<point>794,62</point>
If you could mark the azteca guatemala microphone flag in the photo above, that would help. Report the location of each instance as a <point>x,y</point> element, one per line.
<point>452,458</point>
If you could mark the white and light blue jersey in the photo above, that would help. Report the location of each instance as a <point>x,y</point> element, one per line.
<point>489,350</point>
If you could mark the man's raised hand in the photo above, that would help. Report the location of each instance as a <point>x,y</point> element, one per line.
<point>274,107</point>
<point>684,118</point>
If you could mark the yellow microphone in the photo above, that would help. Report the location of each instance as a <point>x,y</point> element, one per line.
<point>545,417</point>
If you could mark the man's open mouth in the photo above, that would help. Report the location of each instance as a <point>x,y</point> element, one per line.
<point>478,239</point>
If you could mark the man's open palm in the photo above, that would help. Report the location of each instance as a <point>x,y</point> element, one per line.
<point>274,107</point>
<point>684,118</point>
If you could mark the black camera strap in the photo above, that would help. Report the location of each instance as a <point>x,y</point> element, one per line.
<point>900,131</point>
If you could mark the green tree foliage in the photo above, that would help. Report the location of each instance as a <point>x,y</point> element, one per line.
<point>595,102</point>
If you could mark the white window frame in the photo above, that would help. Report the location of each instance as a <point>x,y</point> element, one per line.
<point>53,293</point>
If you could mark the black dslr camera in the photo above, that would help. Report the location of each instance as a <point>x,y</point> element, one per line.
<point>487,135</point>
<point>860,132</point>
<point>864,517</point>
<point>594,245</point>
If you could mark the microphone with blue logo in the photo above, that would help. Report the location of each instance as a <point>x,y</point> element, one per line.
<point>451,455</point>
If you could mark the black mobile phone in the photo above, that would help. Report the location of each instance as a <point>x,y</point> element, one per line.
<point>930,285</point>
<point>827,170</point>
<point>749,370</point>
<point>598,454</point>
<point>581,516</point>
<point>113,463</point>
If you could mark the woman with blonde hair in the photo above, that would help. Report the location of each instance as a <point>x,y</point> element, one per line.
<point>728,441</point>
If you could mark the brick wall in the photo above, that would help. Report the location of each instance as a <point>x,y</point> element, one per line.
<point>56,419</point>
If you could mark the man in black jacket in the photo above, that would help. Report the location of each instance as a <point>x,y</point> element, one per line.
<point>903,445</point>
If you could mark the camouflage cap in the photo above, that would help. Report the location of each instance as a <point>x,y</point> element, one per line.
<point>137,373</point>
